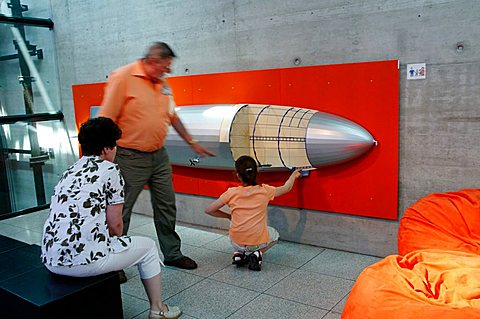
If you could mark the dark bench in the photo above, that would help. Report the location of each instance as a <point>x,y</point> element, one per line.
<point>29,290</point>
<point>7,244</point>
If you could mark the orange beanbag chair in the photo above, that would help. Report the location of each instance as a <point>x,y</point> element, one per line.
<point>446,221</point>
<point>433,283</point>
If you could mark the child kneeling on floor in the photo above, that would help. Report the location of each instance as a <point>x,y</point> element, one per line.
<point>249,233</point>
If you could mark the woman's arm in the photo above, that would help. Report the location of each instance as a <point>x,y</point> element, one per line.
<point>214,209</point>
<point>114,219</point>
<point>285,188</point>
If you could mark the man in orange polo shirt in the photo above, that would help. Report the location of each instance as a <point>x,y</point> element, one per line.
<point>138,99</point>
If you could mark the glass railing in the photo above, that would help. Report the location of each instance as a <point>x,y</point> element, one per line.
<point>34,145</point>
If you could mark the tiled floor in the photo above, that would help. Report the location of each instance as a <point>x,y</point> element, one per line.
<point>296,281</point>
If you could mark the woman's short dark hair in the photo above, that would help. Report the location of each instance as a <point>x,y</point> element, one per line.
<point>246,168</point>
<point>98,133</point>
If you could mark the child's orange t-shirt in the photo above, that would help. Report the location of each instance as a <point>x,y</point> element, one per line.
<point>248,207</point>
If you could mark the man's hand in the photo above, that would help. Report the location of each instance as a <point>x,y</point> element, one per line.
<point>200,150</point>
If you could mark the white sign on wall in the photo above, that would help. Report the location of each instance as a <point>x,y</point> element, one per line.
<point>416,71</point>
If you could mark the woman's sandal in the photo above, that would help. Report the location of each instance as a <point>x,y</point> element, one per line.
<point>172,312</point>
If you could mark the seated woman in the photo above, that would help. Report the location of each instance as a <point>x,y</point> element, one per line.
<point>83,233</point>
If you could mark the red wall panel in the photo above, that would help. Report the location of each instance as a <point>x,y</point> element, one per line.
<point>366,93</point>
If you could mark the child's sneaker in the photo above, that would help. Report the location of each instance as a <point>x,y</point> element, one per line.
<point>255,260</point>
<point>239,259</point>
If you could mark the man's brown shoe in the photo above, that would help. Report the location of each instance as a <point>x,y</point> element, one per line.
<point>122,278</point>
<point>183,262</point>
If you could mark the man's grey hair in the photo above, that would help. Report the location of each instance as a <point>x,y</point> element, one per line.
<point>159,50</point>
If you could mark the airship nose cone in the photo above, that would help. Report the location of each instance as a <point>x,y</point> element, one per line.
<point>333,140</point>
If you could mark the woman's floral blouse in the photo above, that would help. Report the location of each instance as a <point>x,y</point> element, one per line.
<point>76,231</point>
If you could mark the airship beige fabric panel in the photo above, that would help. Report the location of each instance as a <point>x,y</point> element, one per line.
<point>274,135</point>
<point>239,134</point>
<point>228,113</point>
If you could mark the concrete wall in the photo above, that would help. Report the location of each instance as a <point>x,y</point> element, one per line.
<point>439,116</point>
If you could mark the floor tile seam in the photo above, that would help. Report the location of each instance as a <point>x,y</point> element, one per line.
<point>297,270</point>
<point>35,229</point>
<point>213,241</point>
<point>189,243</point>
<point>309,260</point>
<point>23,227</point>
<point>205,246</point>
<point>188,229</point>
<point>296,301</point>
<point>137,316</point>
<point>28,242</point>
<point>246,288</point>
<point>352,252</point>
<point>203,228</point>
<point>202,244</point>
<point>343,297</point>
<point>24,218</point>
<point>155,238</point>
<point>256,297</point>
<point>306,262</point>
<point>139,216</point>
<point>137,226</point>
<point>184,289</point>
<point>187,271</point>
<point>20,229</point>
<point>219,251</point>
<point>191,316</point>
<point>340,301</point>
<point>173,295</point>
<point>286,276</point>
<point>138,298</point>
<point>141,315</point>
<point>135,296</point>
<point>216,272</point>
<point>221,282</point>
<point>203,276</point>
<point>329,312</point>
<point>218,235</point>
<point>325,274</point>
<point>18,225</point>
<point>267,261</point>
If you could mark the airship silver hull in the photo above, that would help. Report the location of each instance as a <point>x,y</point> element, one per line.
<point>278,137</point>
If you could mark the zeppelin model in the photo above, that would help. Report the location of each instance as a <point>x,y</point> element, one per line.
<point>278,137</point>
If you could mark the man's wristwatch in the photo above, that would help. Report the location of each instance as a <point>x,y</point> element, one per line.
<point>192,141</point>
